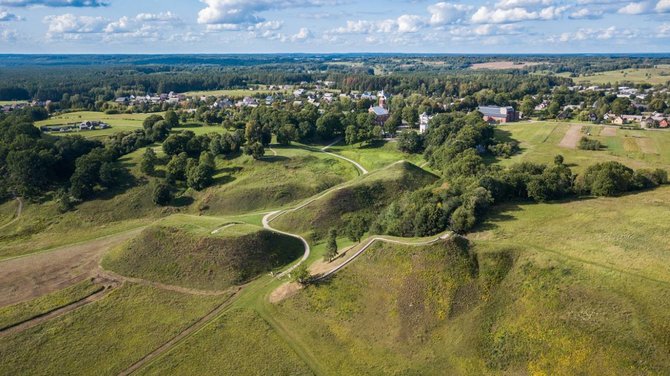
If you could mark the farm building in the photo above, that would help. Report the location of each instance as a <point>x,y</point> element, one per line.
<point>495,114</point>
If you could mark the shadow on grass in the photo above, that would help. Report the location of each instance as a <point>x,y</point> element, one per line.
<point>182,201</point>
<point>221,180</point>
<point>274,159</point>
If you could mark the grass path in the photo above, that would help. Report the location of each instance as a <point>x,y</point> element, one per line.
<point>60,311</point>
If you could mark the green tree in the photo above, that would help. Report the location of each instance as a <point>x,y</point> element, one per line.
<point>331,245</point>
<point>161,194</point>
<point>176,168</point>
<point>410,115</point>
<point>410,142</point>
<point>355,227</point>
<point>256,150</point>
<point>171,119</point>
<point>148,163</point>
<point>301,275</point>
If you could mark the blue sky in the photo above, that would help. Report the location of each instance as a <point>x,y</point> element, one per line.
<point>242,26</point>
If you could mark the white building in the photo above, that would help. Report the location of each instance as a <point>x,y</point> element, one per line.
<point>424,120</point>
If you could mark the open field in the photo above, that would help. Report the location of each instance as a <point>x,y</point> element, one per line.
<point>104,337</point>
<point>541,141</point>
<point>119,122</point>
<point>657,75</point>
<point>503,65</point>
<point>13,314</point>
<point>41,273</point>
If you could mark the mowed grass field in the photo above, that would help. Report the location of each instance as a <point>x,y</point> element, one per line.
<point>658,75</point>
<point>119,122</point>
<point>540,142</point>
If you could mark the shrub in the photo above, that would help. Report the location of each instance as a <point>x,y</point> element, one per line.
<point>589,144</point>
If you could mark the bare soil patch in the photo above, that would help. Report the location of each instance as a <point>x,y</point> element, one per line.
<point>503,65</point>
<point>609,132</point>
<point>284,291</point>
<point>32,276</point>
<point>572,137</point>
<point>647,145</point>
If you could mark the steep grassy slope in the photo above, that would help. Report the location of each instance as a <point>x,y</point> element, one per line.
<point>494,309</point>
<point>367,195</point>
<point>186,258</point>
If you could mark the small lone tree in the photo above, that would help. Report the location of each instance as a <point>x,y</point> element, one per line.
<point>331,246</point>
<point>301,275</point>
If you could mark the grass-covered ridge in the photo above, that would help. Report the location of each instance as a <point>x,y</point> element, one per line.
<point>368,195</point>
<point>247,185</point>
<point>180,256</point>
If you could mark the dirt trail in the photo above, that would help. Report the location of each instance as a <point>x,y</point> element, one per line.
<point>17,216</point>
<point>19,327</point>
<point>35,275</point>
<point>572,137</point>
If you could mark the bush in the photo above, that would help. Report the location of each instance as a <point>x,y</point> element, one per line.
<point>162,194</point>
<point>606,179</point>
<point>589,144</point>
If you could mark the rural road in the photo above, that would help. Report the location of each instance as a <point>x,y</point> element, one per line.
<point>19,211</point>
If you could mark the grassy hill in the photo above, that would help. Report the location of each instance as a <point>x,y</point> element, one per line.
<point>491,309</point>
<point>249,185</point>
<point>179,256</point>
<point>368,194</point>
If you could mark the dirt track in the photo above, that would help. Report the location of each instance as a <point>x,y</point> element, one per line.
<point>35,275</point>
<point>572,137</point>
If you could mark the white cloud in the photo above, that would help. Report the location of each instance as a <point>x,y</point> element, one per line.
<point>6,16</point>
<point>589,34</point>
<point>586,13</point>
<point>54,3</point>
<point>408,23</point>
<point>510,4</point>
<point>70,24</point>
<point>636,8</point>
<point>663,6</point>
<point>488,15</point>
<point>260,26</point>
<point>302,35</point>
<point>448,13</point>
<point>247,11</point>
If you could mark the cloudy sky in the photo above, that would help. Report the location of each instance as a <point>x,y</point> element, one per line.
<point>239,26</point>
